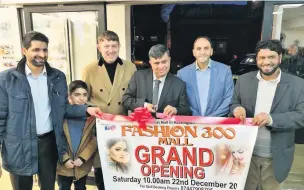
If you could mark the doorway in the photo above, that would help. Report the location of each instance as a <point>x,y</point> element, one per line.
<point>234,28</point>
<point>288,26</point>
<point>72,32</point>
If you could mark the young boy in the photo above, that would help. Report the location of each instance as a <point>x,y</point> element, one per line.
<point>81,141</point>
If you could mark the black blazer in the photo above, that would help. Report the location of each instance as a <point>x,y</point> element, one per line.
<point>140,90</point>
<point>287,112</point>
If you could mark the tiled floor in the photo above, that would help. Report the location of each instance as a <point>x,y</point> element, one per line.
<point>295,179</point>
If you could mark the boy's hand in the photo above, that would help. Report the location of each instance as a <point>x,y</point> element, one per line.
<point>94,111</point>
<point>78,162</point>
<point>69,164</point>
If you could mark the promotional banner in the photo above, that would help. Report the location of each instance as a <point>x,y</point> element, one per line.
<point>180,153</point>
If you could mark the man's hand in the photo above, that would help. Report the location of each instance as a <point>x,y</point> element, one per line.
<point>240,113</point>
<point>150,107</point>
<point>94,111</point>
<point>69,164</point>
<point>170,110</point>
<point>262,119</point>
<point>78,162</point>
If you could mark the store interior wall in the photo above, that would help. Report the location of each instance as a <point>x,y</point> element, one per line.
<point>293,26</point>
<point>72,39</point>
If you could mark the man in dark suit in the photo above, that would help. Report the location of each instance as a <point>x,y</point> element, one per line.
<point>275,100</point>
<point>156,88</point>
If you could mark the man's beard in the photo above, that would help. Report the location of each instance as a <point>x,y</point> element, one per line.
<point>271,72</point>
<point>38,64</point>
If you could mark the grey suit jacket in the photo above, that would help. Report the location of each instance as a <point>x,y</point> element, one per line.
<point>287,112</point>
<point>140,90</point>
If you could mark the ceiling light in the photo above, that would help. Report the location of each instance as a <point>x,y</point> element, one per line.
<point>278,12</point>
<point>291,5</point>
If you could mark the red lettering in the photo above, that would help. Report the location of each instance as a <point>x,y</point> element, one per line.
<point>145,157</point>
<point>173,156</point>
<point>202,156</point>
<point>191,156</point>
<point>145,170</point>
<point>157,152</point>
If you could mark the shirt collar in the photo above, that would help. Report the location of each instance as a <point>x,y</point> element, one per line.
<point>276,80</point>
<point>29,72</point>
<point>162,79</point>
<point>198,69</point>
<point>102,61</point>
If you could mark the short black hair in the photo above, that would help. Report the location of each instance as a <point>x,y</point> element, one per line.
<point>203,37</point>
<point>272,45</point>
<point>77,84</point>
<point>33,36</point>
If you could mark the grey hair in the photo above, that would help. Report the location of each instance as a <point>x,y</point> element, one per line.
<point>294,46</point>
<point>157,51</point>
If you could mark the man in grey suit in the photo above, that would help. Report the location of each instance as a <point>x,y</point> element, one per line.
<point>275,100</point>
<point>156,88</point>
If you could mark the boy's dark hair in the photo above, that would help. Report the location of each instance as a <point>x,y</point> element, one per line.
<point>77,84</point>
<point>273,45</point>
<point>33,36</point>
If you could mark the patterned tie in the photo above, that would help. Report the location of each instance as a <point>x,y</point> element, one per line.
<point>155,92</point>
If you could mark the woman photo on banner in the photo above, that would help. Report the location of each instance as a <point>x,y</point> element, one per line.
<point>232,159</point>
<point>118,155</point>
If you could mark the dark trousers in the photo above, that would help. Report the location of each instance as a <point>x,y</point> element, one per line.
<point>99,179</point>
<point>65,183</point>
<point>47,163</point>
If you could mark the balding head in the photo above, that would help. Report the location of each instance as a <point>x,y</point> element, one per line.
<point>202,50</point>
<point>293,49</point>
<point>204,38</point>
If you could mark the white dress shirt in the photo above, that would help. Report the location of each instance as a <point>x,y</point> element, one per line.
<point>40,96</point>
<point>161,86</point>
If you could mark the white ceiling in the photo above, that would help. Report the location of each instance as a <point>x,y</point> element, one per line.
<point>292,13</point>
<point>29,2</point>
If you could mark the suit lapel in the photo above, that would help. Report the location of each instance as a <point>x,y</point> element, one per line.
<point>212,83</point>
<point>105,79</point>
<point>253,90</point>
<point>165,90</point>
<point>195,87</point>
<point>280,91</point>
<point>149,86</point>
<point>117,79</point>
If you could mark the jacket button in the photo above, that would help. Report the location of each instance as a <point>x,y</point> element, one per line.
<point>109,104</point>
<point>101,90</point>
<point>123,89</point>
<point>119,103</point>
